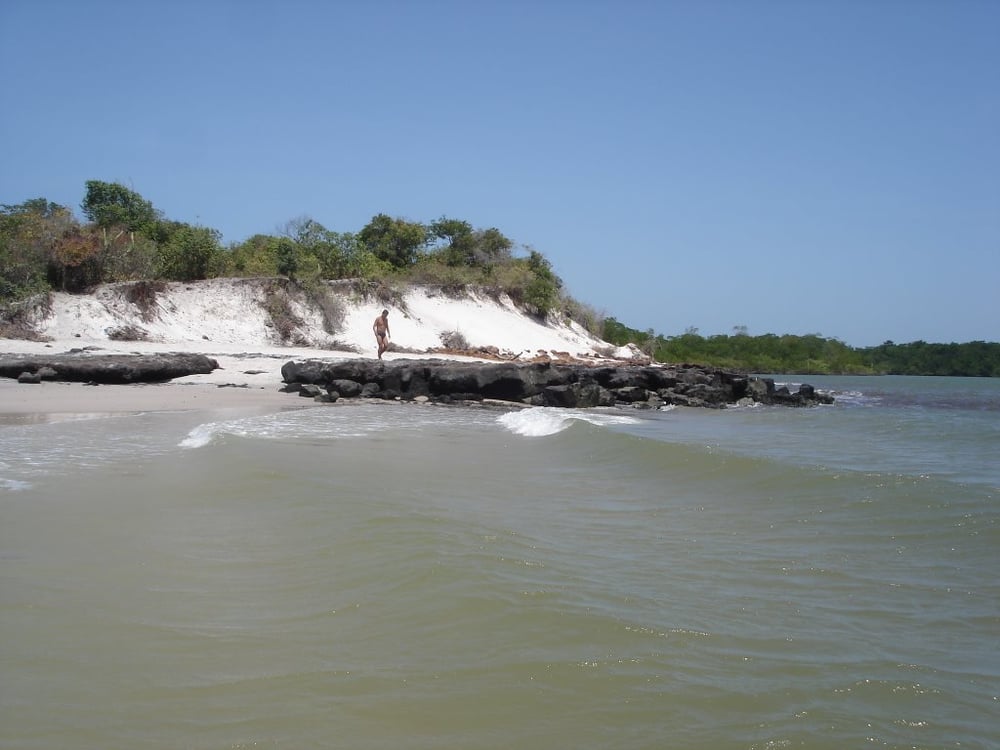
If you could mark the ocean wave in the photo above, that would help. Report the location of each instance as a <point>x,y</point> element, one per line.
<point>334,423</point>
<point>540,422</point>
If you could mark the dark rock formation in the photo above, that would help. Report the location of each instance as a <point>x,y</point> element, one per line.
<point>105,368</point>
<point>541,384</point>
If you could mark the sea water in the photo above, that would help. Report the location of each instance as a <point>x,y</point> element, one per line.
<point>375,575</point>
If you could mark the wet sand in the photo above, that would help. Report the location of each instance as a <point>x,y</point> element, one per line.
<point>58,398</point>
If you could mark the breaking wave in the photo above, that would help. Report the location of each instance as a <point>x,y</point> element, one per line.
<point>539,421</point>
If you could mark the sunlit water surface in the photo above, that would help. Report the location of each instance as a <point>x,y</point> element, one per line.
<point>381,575</point>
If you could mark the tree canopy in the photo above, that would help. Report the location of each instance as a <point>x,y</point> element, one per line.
<point>394,241</point>
<point>43,246</point>
<point>109,204</point>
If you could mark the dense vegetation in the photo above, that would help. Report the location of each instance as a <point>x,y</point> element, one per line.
<point>812,354</point>
<point>44,247</point>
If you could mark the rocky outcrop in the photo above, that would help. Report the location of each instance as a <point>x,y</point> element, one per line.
<point>539,384</point>
<point>104,368</point>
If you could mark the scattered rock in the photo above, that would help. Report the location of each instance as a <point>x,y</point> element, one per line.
<point>346,388</point>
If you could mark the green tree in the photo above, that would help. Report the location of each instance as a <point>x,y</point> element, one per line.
<point>490,247</point>
<point>29,234</point>
<point>395,241</point>
<point>191,253</point>
<point>75,259</point>
<point>542,292</point>
<point>459,240</point>
<point>338,255</point>
<point>321,253</point>
<point>255,256</point>
<point>288,257</point>
<point>113,206</point>
<point>121,214</point>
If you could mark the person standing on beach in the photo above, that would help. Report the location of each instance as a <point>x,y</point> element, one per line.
<point>381,328</point>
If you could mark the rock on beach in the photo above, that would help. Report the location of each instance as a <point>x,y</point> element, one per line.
<point>85,367</point>
<point>539,384</point>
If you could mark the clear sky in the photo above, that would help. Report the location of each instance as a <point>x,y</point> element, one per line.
<point>791,167</point>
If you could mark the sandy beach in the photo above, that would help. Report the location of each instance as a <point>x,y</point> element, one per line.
<point>220,319</point>
<point>64,400</point>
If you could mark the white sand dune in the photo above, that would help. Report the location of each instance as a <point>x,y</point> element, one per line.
<point>226,319</point>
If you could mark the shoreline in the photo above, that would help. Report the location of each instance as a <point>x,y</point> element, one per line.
<point>226,320</point>
<point>247,379</point>
<point>268,382</point>
<point>54,398</point>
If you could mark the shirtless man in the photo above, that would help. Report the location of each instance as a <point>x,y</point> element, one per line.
<point>381,328</point>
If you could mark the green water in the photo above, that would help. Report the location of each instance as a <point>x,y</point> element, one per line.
<point>397,577</point>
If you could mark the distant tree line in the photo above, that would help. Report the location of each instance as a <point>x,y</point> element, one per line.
<point>811,354</point>
<point>44,247</point>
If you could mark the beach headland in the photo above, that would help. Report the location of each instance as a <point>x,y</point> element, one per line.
<point>210,345</point>
<point>226,321</point>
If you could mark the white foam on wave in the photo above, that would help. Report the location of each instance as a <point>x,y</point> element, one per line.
<point>540,422</point>
<point>856,398</point>
<point>334,424</point>
<point>253,427</point>
<point>13,484</point>
<point>311,424</point>
<point>199,437</point>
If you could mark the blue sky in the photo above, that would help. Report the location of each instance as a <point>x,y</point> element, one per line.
<point>791,167</point>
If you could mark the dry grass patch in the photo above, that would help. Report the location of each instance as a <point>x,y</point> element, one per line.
<point>278,306</point>
<point>454,341</point>
<point>127,333</point>
<point>17,319</point>
<point>143,295</point>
